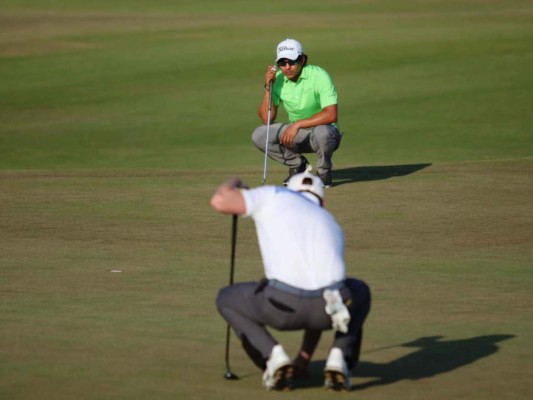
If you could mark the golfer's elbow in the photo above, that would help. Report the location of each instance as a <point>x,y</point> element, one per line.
<point>263,118</point>
<point>331,114</point>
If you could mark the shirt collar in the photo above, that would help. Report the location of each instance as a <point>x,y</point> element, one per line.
<point>313,197</point>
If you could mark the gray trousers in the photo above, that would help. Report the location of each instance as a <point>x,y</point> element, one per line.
<point>251,307</point>
<point>322,140</point>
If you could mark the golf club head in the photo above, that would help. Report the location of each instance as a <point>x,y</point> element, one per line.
<point>230,376</point>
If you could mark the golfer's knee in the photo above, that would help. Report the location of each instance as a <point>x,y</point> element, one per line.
<point>258,137</point>
<point>364,293</point>
<point>321,134</point>
<point>325,139</point>
<point>223,298</point>
<point>365,299</point>
<point>360,292</point>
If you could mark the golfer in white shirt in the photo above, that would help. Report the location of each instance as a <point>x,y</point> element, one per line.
<point>305,288</point>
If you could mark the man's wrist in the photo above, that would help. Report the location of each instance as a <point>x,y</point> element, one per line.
<point>296,126</point>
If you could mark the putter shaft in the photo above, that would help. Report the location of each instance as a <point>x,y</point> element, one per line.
<point>268,130</point>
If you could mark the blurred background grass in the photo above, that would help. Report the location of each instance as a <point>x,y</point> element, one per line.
<point>176,84</point>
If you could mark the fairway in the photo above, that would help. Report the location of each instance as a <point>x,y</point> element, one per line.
<point>118,121</point>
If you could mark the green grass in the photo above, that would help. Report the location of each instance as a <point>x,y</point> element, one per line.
<point>117,121</point>
<point>175,89</point>
<point>443,257</point>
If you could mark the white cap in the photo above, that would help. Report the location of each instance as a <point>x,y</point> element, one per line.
<point>289,48</point>
<point>307,182</point>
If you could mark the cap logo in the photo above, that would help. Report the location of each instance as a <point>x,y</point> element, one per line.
<point>281,48</point>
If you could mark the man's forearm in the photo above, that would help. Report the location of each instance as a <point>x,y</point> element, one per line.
<point>324,117</point>
<point>263,109</point>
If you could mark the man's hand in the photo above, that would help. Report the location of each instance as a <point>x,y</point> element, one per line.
<point>301,365</point>
<point>270,76</point>
<point>228,199</point>
<point>287,139</point>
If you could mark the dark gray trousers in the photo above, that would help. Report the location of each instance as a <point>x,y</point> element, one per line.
<point>251,307</point>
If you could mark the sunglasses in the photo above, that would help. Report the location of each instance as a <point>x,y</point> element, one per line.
<point>282,63</point>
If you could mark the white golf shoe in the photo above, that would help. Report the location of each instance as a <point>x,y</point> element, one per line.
<point>279,370</point>
<point>337,375</point>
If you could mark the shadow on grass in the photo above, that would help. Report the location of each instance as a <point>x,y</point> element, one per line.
<point>434,357</point>
<point>362,174</point>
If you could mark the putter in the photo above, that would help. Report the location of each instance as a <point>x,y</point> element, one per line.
<point>230,376</point>
<point>268,131</point>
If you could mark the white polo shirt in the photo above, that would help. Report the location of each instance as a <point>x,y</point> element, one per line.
<point>301,243</point>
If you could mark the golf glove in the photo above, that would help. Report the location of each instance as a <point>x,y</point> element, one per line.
<point>337,310</point>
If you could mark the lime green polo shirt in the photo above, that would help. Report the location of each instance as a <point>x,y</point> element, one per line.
<point>313,91</point>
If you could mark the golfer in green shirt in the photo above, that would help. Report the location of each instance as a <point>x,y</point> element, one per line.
<point>309,97</point>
